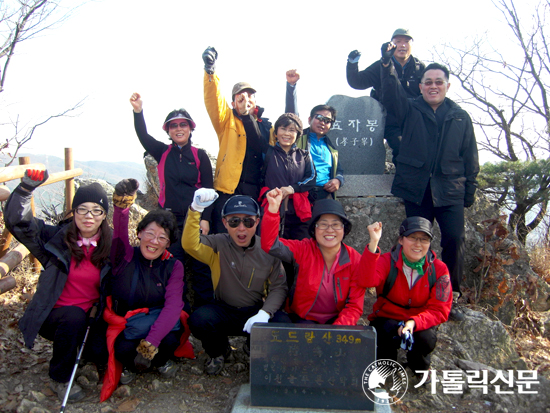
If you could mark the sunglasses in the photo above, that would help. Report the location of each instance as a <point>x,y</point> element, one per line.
<point>176,124</point>
<point>248,222</point>
<point>322,118</point>
<point>431,82</point>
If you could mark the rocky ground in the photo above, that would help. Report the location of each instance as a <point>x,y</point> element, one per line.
<point>24,380</point>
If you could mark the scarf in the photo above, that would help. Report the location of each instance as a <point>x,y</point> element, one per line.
<point>418,265</point>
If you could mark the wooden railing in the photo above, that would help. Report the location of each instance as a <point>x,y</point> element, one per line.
<point>9,260</point>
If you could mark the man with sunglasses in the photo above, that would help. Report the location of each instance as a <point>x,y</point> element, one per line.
<point>437,165</point>
<point>330,175</point>
<point>249,285</point>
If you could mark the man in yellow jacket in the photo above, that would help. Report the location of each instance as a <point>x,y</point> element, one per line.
<point>243,137</point>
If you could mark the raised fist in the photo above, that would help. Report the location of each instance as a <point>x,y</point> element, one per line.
<point>34,178</point>
<point>387,50</point>
<point>354,56</point>
<point>209,57</point>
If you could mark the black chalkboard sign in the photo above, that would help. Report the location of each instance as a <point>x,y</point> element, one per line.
<point>310,366</point>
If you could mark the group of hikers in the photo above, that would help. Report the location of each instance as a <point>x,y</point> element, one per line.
<point>261,238</point>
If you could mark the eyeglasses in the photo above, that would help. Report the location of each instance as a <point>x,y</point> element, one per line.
<point>176,124</point>
<point>248,222</point>
<point>94,212</point>
<point>431,82</point>
<point>323,226</point>
<point>322,118</point>
<point>422,240</point>
<point>149,236</point>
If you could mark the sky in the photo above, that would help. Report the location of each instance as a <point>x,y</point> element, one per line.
<point>107,50</point>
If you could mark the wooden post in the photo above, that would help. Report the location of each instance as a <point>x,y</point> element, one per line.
<point>7,284</point>
<point>5,242</point>
<point>25,160</point>
<point>69,183</point>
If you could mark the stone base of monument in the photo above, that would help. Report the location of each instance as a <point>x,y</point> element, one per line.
<point>242,405</point>
<point>311,366</point>
<point>366,185</point>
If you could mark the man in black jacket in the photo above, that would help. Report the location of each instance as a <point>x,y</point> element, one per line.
<point>408,70</point>
<point>437,165</point>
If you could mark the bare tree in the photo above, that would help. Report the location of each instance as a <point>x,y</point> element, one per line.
<point>21,20</point>
<point>507,88</point>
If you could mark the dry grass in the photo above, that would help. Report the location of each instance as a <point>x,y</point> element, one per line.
<point>540,260</point>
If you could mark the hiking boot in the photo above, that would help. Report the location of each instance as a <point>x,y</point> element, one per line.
<point>456,313</point>
<point>169,370</point>
<point>214,365</point>
<point>75,394</point>
<point>127,376</point>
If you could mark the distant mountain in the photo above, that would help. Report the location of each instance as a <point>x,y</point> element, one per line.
<point>52,196</point>
<point>111,172</point>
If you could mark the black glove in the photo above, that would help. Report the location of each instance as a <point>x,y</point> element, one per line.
<point>469,200</point>
<point>125,193</point>
<point>127,187</point>
<point>387,54</point>
<point>141,362</point>
<point>354,56</point>
<point>34,178</point>
<point>209,57</point>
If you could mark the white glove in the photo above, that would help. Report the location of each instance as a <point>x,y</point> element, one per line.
<point>203,198</point>
<point>261,317</point>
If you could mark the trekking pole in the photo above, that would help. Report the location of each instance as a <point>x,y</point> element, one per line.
<point>79,355</point>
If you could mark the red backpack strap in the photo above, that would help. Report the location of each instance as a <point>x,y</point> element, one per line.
<point>162,181</point>
<point>198,163</point>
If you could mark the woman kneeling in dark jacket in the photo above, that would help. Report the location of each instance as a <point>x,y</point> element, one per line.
<point>73,255</point>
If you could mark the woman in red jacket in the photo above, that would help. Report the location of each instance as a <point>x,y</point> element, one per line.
<point>325,289</point>
<point>414,292</point>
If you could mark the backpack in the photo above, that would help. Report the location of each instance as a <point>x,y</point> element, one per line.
<point>392,276</point>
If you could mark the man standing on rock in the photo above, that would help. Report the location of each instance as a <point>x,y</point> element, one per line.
<point>437,165</point>
<point>408,70</point>
<point>249,285</point>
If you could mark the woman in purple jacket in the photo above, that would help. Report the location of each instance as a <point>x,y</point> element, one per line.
<point>146,276</point>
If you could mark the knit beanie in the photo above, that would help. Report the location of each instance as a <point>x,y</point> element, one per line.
<point>91,193</point>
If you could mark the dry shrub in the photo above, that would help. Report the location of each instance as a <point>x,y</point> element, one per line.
<point>540,260</point>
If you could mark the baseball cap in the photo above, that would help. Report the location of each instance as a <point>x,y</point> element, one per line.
<point>415,224</point>
<point>239,87</point>
<point>402,32</point>
<point>240,204</point>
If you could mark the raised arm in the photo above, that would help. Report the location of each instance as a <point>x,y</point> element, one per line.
<point>291,98</point>
<point>216,105</point>
<point>394,97</point>
<point>270,228</point>
<point>150,144</point>
<point>370,77</point>
<point>28,230</point>
<point>123,197</point>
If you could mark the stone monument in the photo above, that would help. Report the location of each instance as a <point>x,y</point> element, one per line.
<point>310,366</point>
<point>358,134</point>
